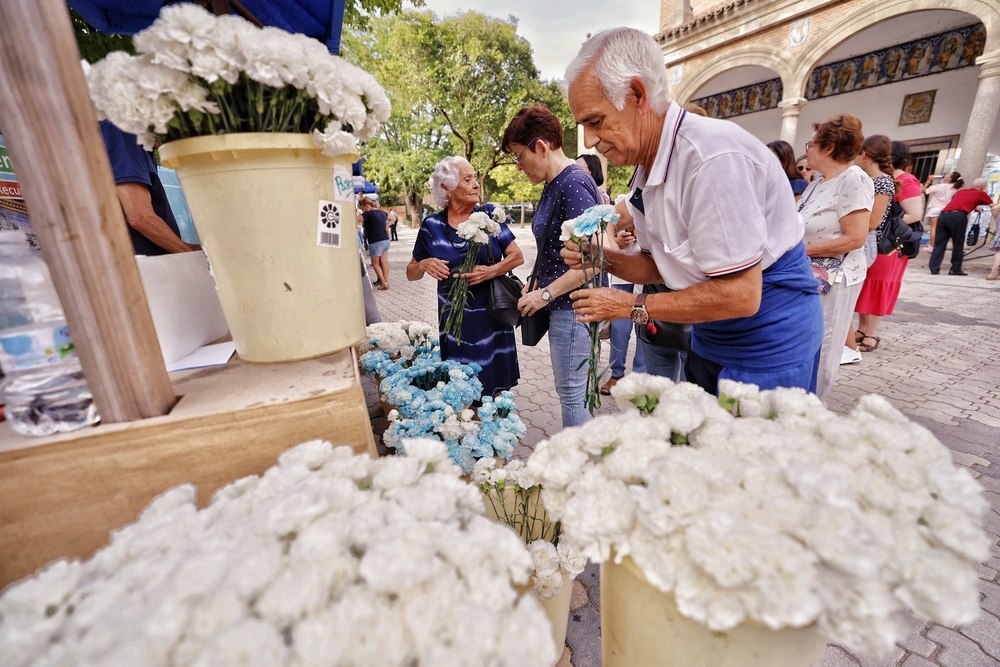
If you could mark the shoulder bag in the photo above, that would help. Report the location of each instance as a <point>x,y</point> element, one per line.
<point>894,232</point>
<point>501,302</point>
<point>534,327</point>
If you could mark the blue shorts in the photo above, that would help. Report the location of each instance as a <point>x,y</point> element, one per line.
<point>379,248</point>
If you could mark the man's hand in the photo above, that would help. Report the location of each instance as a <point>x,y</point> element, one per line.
<point>601,304</point>
<point>572,253</point>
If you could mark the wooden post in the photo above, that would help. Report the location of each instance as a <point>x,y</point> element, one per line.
<point>51,131</point>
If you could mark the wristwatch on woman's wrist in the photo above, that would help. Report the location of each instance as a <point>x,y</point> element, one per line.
<point>546,295</point>
<point>639,315</point>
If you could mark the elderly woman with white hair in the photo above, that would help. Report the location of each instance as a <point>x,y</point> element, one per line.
<point>439,250</point>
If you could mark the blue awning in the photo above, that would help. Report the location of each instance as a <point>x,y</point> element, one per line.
<point>363,186</point>
<point>321,19</point>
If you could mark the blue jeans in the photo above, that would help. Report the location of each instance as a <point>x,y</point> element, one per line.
<point>621,331</point>
<point>569,343</point>
<point>664,361</point>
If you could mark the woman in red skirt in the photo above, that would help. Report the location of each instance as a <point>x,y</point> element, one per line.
<point>881,287</point>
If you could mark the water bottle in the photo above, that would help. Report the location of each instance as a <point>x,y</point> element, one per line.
<point>44,388</point>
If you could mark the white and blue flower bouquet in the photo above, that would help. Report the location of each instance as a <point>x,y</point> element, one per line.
<point>587,231</point>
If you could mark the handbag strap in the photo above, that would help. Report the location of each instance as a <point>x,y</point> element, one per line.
<point>533,278</point>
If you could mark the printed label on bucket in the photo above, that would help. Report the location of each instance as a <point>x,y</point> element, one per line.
<point>328,226</point>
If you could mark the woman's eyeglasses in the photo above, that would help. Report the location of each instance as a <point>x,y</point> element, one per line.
<point>517,158</point>
<point>802,167</point>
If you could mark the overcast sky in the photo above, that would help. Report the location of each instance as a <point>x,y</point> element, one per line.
<point>557,28</point>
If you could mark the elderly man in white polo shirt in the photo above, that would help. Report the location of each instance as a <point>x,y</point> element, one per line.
<point>713,217</point>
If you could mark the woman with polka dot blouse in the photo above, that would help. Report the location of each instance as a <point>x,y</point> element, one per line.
<point>534,137</point>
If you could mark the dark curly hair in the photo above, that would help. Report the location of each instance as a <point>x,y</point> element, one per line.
<point>842,133</point>
<point>533,122</point>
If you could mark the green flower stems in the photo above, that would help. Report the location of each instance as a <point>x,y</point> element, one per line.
<point>458,295</point>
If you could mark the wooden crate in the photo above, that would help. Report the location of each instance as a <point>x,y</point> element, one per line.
<point>61,496</point>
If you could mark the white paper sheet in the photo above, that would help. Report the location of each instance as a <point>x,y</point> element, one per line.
<point>209,355</point>
<point>183,302</point>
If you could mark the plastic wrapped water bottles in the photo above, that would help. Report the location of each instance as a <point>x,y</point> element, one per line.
<point>44,387</point>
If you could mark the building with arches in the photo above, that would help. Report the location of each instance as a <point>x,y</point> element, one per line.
<point>926,72</point>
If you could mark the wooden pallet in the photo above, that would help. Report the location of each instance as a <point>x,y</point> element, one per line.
<point>62,495</point>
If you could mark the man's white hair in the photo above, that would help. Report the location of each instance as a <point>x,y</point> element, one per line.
<point>979,183</point>
<point>445,179</point>
<point>618,56</point>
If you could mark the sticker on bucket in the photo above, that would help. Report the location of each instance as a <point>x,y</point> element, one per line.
<point>343,184</point>
<point>328,226</point>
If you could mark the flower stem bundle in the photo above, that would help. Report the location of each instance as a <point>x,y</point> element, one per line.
<point>587,230</point>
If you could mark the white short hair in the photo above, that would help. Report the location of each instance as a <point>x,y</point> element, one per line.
<point>445,179</point>
<point>979,183</point>
<point>618,56</point>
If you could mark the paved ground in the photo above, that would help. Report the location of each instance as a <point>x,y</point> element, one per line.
<point>939,362</point>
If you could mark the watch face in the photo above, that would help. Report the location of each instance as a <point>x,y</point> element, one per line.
<point>639,316</point>
<point>546,296</point>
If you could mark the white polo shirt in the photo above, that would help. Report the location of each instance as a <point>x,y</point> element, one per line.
<point>716,202</point>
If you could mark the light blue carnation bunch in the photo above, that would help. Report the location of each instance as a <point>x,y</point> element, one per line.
<point>415,388</point>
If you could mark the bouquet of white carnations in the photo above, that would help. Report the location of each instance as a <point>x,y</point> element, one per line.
<point>774,510</point>
<point>327,559</point>
<point>197,74</point>
<point>514,499</point>
<point>476,231</point>
<point>399,339</point>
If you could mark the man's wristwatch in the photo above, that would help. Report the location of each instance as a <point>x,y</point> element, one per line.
<point>546,295</point>
<point>639,315</point>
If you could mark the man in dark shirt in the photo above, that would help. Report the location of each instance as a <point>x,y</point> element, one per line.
<point>953,223</point>
<point>144,201</point>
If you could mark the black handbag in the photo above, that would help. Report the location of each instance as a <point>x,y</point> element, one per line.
<point>534,327</point>
<point>501,306</point>
<point>665,334</point>
<point>894,232</point>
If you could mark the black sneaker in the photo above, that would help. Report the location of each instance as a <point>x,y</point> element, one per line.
<point>957,273</point>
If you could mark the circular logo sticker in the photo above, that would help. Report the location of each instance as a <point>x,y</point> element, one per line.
<point>329,216</point>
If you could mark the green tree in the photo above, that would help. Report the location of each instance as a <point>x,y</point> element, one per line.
<point>403,154</point>
<point>478,73</point>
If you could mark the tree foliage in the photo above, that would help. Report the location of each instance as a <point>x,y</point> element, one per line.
<point>95,45</point>
<point>454,83</point>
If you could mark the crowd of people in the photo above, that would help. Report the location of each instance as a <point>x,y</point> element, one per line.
<point>758,281</point>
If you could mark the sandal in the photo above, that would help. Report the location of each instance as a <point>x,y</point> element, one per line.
<point>606,387</point>
<point>865,347</point>
<point>859,336</point>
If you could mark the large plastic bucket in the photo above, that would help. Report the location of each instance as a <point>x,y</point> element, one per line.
<point>642,627</point>
<point>280,236</point>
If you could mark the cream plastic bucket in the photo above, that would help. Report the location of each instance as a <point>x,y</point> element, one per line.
<point>642,627</point>
<point>281,239</point>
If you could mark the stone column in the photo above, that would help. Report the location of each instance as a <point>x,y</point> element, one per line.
<point>682,13</point>
<point>982,118</point>
<point>790,110</point>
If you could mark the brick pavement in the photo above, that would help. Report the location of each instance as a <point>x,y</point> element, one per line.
<point>939,363</point>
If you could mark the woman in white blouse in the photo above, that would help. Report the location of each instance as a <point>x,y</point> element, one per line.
<point>836,209</point>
